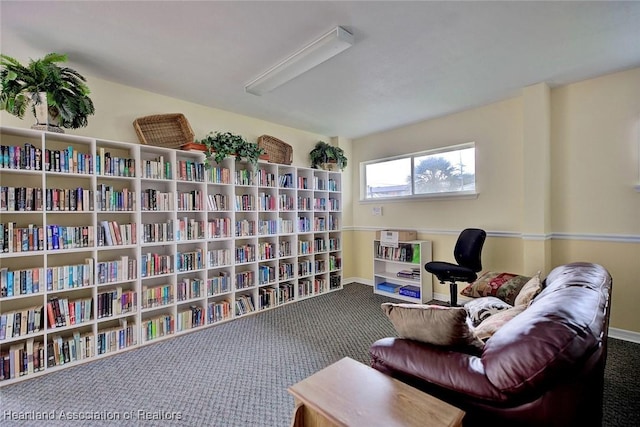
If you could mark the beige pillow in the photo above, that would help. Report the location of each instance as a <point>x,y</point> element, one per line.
<point>432,324</point>
<point>491,324</point>
<point>529,291</point>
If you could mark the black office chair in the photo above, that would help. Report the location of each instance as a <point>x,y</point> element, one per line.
<point>467,253</point>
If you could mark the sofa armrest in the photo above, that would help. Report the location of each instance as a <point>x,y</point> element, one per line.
<point>447,368</point>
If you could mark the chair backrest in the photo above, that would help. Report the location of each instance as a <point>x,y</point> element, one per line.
<point>468,248</point>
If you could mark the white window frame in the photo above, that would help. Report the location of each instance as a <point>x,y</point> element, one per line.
<point>413,196</point>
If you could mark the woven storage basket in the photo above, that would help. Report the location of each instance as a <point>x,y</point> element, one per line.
<point>278,151</point>
<point>164,130</point>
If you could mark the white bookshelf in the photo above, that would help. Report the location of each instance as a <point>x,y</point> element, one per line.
<point>218,244</point>
<point>391,268</point>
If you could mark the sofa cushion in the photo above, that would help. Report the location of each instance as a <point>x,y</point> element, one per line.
<point>505,286</point>
<point>529,291</point>
<point>483,307</point>
<point>491,324</point>
<point>432,324</point>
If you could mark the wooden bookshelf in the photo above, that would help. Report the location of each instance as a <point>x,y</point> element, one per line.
<point>150,244</point>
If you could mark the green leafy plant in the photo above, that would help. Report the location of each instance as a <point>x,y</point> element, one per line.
<point>66,89</point>
<point>220,145</point>
<point>324,153</point>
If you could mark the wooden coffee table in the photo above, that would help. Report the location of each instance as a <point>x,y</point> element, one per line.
<point>349,393</point>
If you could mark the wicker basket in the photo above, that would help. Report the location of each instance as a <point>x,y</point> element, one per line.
<point>278,151</point>
<point>164,130</point>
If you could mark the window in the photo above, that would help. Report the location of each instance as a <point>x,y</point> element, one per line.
<point>443,172</point>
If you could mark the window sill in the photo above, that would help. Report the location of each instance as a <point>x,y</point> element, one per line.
<point>425,197</point>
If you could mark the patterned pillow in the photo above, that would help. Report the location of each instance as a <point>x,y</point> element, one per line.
<point>432,324</point>
<point>505,286</point>
<point>491,324</point>
<point>481,308</point>
<point>529,291</point>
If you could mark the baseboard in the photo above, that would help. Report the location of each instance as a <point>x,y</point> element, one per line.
<point>620,334</point>
<point>362,280</point>
<point>623,334</point>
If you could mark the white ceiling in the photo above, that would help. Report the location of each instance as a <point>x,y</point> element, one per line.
<point>410,60</point>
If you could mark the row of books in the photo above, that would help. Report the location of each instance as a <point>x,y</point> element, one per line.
<point>191,318</point>
<point>157,232</point>
<point>157,296</point>
<point>190,229</point>
<point>245,279</point>
<point>219,175</point>
<point>156,200</point>
<point>218,202</point>
<point>308,287</point>
<point>115,302</point>
<point>22,359</point>
<point>245,253</point>
<point>188,170</point>
<point>30,157</point>
<point>245,227</point>
<point>188,261</point>
<point>117,338</point>
<point>243,177</point>
<point>113,234</point>
<point>271,296</point>
<point>218,311</point>
<point>219,284</point>
<point>20,323</point>
<point>191,200</point>
<point>108,165</point>
<point>63,312</point>
<point>245,202</point>
<point>266,179</point>
<point>189,288</point>
<point>117,270</point>
<point>156,264</point>
<point>244,305</point>
<point>62,350</point>
<point>158,327</point>
<point>267,226</point>
<point>20,282</point>
<point>109,198</point>
<point>266,274</point>
<point>405,252</point>
<point>218,257</point>
<point>156,168</point>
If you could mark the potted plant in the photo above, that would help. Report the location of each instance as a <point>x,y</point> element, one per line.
<point>325,155</point>
<point>220,145</point>
<point>42,83</point>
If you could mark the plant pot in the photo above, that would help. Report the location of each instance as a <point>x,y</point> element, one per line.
<point>47,118</point>
<point>329,166</point>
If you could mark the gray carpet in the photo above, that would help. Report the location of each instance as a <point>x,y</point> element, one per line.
<point>237,373</point>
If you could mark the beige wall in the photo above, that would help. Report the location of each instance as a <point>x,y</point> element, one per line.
<point>117,106</point>
<point>593,139</point>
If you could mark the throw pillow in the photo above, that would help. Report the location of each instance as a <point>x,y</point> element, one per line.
<point>529,291</point>
<point>481,308</point>
<point>505,286</point>
<point>432,324</point>
<point>491,324</point>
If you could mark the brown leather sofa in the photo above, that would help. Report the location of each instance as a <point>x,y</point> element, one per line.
<point>545,367</point>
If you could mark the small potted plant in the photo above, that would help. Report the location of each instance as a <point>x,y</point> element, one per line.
<point>326,156</point>
<point>220,145</point>
<point>59,91</point>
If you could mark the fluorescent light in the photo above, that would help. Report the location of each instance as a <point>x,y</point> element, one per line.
<point>315,53</point>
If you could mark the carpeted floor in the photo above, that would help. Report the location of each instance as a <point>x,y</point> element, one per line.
<point>237,373</point>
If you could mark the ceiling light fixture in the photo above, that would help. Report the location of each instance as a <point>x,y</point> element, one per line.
<point>315,53</point>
